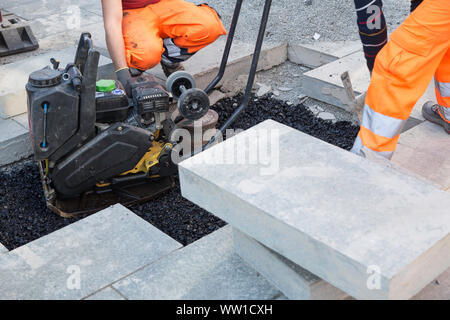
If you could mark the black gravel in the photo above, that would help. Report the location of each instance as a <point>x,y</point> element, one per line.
<point>24,216</point>
<point>341,134</point>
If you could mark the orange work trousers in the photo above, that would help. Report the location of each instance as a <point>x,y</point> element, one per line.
<point>418,50</point>
<point>187,27</point>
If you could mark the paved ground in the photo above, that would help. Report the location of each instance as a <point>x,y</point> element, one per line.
<point>291,21</point>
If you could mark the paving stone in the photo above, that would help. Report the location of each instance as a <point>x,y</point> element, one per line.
<point>32,9</point>
<point>205,64</point>
<point>97,251</point>
<point>52,16</point>
<point>295,282</point>
<point>13,98</point>
<point>14,142</point>
<point>425,150</point>
<point>106,294</point>
<point>3,249</point>
<point>345,219</point>
<point>325,84</point>
<point>208,269</point>
<point>22,120</point>
<point>438,289</point>
<point>319,53</point>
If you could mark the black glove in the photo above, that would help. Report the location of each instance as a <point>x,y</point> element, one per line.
<point>124,77</point>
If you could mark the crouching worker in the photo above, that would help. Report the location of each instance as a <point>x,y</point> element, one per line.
<point>142,33</point>
<point>418,50</point>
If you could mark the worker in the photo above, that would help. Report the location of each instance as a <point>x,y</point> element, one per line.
<point>372,27</point>
<point>142,33</point>
<point>417,50</point>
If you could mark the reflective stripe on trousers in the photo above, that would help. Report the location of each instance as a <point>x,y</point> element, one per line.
<point>379,127</point>
<point>443,88</point>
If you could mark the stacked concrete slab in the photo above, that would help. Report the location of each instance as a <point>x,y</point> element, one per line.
<point>295,282</point>
<point>365,228</point>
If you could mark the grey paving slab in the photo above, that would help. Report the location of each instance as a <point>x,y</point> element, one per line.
<point>438,289</point>
<point>48,17</point>
<point>365,228</point>
<point>106,294</point>
<point>208,269</point>
<point>32,9</point>
<point>324,83</point>
<point>3,249</point>
<point>83,257</point>
<point>295,282</point>
<point>14,142</point>
<point>22,120</point>
<point>317,54</point>
<point>205,64</point>
<point>425,150</point>
<point>14,76</point>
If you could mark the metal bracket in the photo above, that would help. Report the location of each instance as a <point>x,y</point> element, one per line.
<point>253,68</point>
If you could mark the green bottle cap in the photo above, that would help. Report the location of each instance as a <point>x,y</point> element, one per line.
<point>105,85</point>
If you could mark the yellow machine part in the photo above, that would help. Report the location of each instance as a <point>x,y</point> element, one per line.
<point>149,159</point>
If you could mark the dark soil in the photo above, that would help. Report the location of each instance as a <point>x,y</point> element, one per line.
<point>24,216</point>
<point>341,134</point>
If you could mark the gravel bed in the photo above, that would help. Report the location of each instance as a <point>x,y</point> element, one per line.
<point>24,216</point>
<point>299,20</point>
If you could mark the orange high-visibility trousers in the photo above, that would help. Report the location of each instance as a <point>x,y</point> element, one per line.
<point>188,28</point>
<point>417,50</point>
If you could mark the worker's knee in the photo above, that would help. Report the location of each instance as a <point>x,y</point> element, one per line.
<point>144,55</point>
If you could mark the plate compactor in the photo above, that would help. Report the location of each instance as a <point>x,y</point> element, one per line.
<point>96,146</point>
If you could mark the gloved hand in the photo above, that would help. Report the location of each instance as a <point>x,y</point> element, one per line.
<point>124,77</point>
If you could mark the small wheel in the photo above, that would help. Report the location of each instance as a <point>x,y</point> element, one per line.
<point>177,79</point>
<point>193,104</point>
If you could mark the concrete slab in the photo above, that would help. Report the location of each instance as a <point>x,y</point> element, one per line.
<point>208,269</point>
<point>324,83</point>
<point>205,64</point>
<point>295,282</point>
<point>60,41</point>
<point>83,257</point>
<point>314,55</point>
<point>364,227</point>
<point>22,120</point>
<point>14,142</point>
<point>3,249</point>
<point>425,150</point>
<point>438,289</point>
<point>32,9</point>
<point>108,293</point>
<point>13,99</point>
<point>49,17</point>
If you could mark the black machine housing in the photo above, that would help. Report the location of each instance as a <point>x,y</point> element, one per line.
<point>82,137</point>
